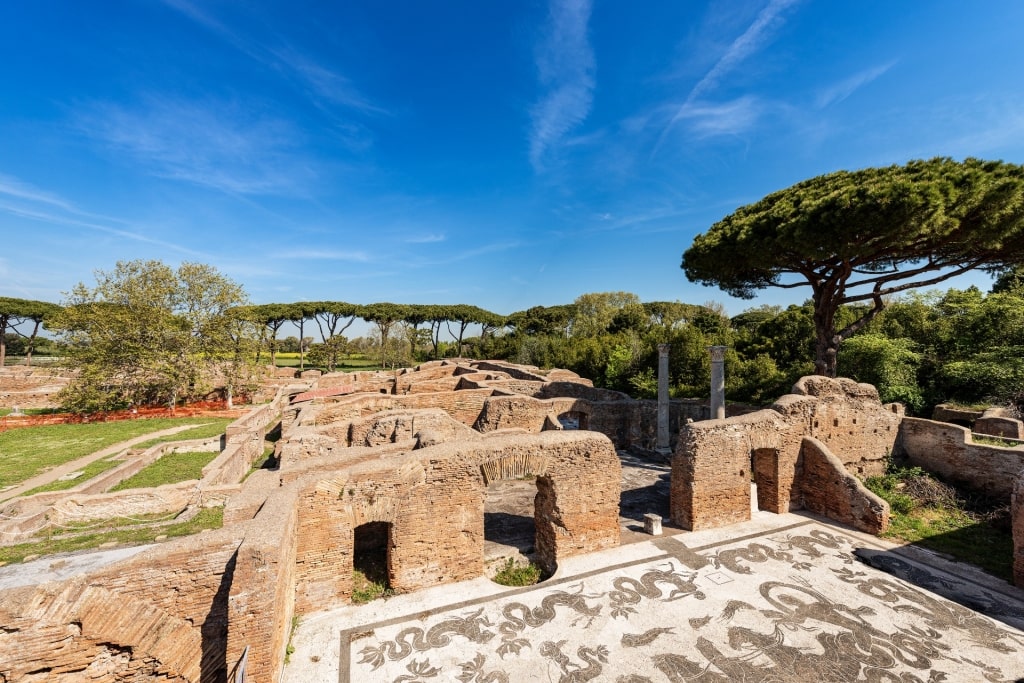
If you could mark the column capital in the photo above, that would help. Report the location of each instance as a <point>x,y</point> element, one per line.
<point>663,349</point>
<point>717,353</point>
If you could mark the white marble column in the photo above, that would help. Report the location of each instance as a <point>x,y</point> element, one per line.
<point>717,382</point>
<point>664,443</point>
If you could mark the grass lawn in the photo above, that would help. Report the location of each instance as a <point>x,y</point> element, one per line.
<point>169,469</point>
<point>934,515</point>
<point>216,427</point>
<point>29,451</point>
<point>351,364</point>
<point>123,531</point>
<point>91,470</point>
<point>29,411</point>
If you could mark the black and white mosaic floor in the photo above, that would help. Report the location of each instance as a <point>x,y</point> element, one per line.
<point>803,601</point>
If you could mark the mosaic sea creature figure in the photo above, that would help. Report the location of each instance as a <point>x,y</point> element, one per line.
<point>514,625</point>
<point>439,635</point>
<point>629,591</point>
<point>594,658</point>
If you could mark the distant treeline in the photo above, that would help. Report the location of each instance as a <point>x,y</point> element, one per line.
<point>958,345</point>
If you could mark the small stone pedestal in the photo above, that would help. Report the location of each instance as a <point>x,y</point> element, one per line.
<point>652,524</point>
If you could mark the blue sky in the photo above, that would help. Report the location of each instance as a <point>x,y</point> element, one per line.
<point>501,154</point>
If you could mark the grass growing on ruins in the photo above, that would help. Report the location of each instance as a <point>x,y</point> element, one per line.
<point>932,514</point>
<point>215,427</point>
<point>91,470</point>
<point>366,589</point>
<point>513,574</point>
<point>31,450</point>
<point>369,578</point>
<point>171,468</point>
<point>123,531</point>
<point>994,441</point>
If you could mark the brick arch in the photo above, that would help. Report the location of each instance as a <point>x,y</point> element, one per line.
<point>513,466</point>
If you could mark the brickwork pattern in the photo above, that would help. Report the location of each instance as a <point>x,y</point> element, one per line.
<point>948,450</point>
<point>711,468</point>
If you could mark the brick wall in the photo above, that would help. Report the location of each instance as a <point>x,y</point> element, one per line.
<point>711,468</point>
<point>947,450</point>
<point>829,490</point>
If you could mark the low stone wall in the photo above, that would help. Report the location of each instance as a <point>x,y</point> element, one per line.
<point>27,387</point>
<point>995,422</point>
<point>948,451</point>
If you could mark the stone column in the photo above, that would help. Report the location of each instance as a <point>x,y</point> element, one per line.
<point>664,444</point>
<point>717,382</point>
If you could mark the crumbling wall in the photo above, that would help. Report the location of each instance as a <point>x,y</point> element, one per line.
<point>433,498</point>
<point>1017,517</point>
<point>160,614</point>
<point>259,601</point>
<point>712,464</point>
<point>830,490</point>
<point>949,451</point>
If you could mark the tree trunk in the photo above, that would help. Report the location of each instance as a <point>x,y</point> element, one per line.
<point>826,348</point>
<point>32,343</point>
<point>826,344</point>
<point>3,343</point>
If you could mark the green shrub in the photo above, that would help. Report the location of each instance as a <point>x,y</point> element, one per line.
<point>513,574</point>
<point>366,590</point>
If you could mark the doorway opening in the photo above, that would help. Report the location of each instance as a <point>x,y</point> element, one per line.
<point>371,561</point>
<point>763,480</point>
<point>510,530</point>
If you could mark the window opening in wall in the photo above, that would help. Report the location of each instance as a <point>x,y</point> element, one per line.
<point>371,561</point>
<point>572,420</point>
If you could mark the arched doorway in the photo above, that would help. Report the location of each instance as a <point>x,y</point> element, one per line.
<point>513,486</point>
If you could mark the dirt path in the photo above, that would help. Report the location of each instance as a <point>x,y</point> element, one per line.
<point>69,467</point>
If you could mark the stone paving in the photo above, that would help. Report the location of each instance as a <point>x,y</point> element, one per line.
<point>781,598</point>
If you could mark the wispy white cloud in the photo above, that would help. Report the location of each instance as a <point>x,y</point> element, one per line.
<point>565,68</point>
<point>45,217</point>
<point>426,239</point>
<point>473,252</point>
<point>13,187</point>
<point>217,145</point>
<point>324,255</point>
<point>324,82</point>
<point>840,91</point>
<point>323,85</point>
<point>756,36</point>
<point>30,202</point>
<point>726,118</point>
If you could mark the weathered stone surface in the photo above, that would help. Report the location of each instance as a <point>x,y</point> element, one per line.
<point>1017,513</point>
<point>714,459</point>
<point>829,490</point>
<point>948,450</point>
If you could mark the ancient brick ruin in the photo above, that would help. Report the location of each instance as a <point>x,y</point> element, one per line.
<point>399,464</point>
